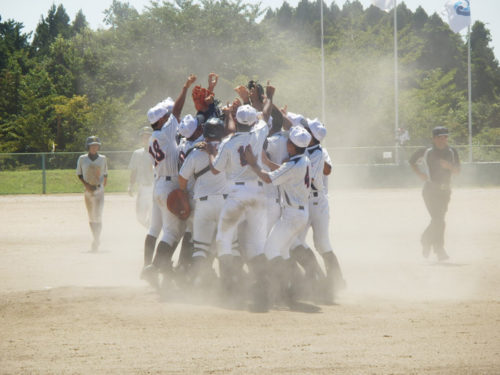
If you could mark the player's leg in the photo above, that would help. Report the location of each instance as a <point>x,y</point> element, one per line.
<point>187,247</point>
<point>254,245</point>
<point>273,210</point>
<point>320,223</point>
<point>427,236</point>
<point>149,272</point>
<point>437,205</point>
<point>92,203</point>
<point>204,227</point>
<point>143,205</point>
<point>305,283</point>
<point>232,213</point>
<point>277,250</point>
<point>171,227</point>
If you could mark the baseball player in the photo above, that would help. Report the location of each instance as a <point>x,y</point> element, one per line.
<point>164,155</point>
<point>245,201</point>
<point>293,178</point>
<point>253,94</point>
<point>276,151</point>
<point>440,162</point>
<point>92,170</point>
<point>142,175</point>
<point>319,215</point>
<point>209,193</point>
<point>191,131</point>
<point>302,284</point>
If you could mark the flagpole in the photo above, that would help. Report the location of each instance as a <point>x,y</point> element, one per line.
<point>396,86</point>
<point>470,97</point>
<point>322,66</point>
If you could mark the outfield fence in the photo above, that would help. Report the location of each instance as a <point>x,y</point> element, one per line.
<point>41,173</point>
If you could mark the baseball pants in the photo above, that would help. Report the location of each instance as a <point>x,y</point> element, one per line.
<point>94,201</point>
<point>436,201</point>
<point>144,204</point>
<point>291,224</point>
<point>172,227</point>
<point>319,221</point>
<point>273,209</point>
<point>244,205</point>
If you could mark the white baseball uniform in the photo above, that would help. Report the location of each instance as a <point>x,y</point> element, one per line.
<point>140,162</point>
<point>209,193</point>
<point>276,150</point>
<point>246,199</point>
<point>328,161</point>
<point>294,181</point>
<point>319,212</point>
<point>185,148</point>
<point>164,155</point>
<point>93,172</point>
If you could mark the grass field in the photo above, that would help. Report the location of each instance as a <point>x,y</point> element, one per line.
<point>57,180</point>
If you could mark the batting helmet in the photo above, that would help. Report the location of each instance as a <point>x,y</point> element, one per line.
<point>214,128</point>
<point>92,140</point>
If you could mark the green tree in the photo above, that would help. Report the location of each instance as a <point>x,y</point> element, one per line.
<point>486,74</point>
<point>79,23</point>
<point>56,23</point>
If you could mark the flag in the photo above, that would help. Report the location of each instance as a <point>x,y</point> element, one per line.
<point>458,14</point>
<point>385,5</point>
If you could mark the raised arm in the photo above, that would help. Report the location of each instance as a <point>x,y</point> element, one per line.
<point>212,81</point>
<point>287,124</point>
<point>268,102</point>
<point>229,122</point>
<point>179,102</point>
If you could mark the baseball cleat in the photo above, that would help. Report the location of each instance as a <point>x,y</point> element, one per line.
<point>150,274</point>
<point>441,255</point>
<point>95,246</point>
<point>426,250</point>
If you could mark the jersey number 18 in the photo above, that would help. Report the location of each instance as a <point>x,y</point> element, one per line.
<point>156,152</point>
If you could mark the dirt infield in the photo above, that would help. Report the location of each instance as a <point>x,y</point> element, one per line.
<point>64,310</point>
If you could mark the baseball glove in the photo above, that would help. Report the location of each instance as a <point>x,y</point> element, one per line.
<point>201,96</point>
<point>178,203</point>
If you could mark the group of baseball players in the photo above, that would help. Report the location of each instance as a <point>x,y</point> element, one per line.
<point>253,177</point>
<point>241,184</point>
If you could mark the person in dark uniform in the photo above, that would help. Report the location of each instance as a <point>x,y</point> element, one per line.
<point>440,162</point>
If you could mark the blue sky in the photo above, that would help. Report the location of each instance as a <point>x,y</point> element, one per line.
<point>30,11</point>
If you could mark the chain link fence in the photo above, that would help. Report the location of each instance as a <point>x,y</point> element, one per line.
<point>399,155</point>
<point>47,173</point>
<point>41,173</point>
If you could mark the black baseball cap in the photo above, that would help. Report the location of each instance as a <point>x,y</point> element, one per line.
<point>439,130</point>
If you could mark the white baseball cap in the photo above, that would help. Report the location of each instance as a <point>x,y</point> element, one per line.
<point>318,130</point>
<point>246,115</point>
<point>299,136</point>
<point>168,104</point>
<point>296,119</point>
<point>156,113</point>
<point>188,126</point>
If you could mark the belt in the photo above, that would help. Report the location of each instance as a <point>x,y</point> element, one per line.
<point>440,186</point>
<point>244,183</point>
<point>296,207</point>
<point>204,198</point>
<point>314,194</point>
